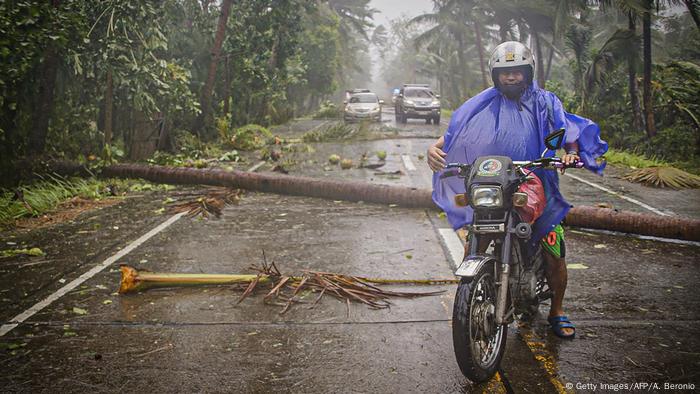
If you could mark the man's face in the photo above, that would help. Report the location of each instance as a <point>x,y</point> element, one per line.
<point>510,77</point>
<point>511,82</point>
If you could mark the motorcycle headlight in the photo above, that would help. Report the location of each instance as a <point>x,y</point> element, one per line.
<point>487,197</point>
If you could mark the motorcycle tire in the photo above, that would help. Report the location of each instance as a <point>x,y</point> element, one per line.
<point>472,317</point>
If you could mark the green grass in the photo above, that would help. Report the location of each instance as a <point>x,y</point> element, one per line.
<point>46,194</point>
<point>334,132</point>
<point>633,160</point>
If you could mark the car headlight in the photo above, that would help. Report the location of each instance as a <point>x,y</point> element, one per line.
<point>487,196</point>
<point>409,102</point>
<point>435,103</point>
<point>349,109</point>
<point>375,109</point>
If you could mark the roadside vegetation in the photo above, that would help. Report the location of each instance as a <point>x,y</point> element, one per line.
<point>47,194</point>
<point>91,78</point>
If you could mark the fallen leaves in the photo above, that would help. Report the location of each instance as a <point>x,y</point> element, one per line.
<point>17,252</point>
<point>664,177</point>
<point>211,203</point>
<point>79,311</point>
<point>344,287</point>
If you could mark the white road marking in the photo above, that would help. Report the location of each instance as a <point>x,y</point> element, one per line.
<point>454,246</point>
<point>82,278</point>
<point>408,163</point>
<point>638,236</point>
<point>605,189</point>
<point>255,167</point>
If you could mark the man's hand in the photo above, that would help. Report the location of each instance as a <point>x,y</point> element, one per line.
<point>436,158</point>
<point>569,158</point>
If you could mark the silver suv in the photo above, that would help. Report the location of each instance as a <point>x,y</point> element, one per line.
<point>417,101</point>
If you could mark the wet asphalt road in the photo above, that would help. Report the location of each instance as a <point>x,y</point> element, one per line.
<point>634,301</point>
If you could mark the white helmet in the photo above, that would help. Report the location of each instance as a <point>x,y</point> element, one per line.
<point>512,54</point>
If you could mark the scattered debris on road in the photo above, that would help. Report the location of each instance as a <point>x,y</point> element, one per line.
<point>664,177</point>
<point>16,252</point>
<point>211,203</point>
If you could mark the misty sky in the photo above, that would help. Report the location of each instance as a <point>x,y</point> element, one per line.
<point>388,10</point>
<point>391,9</point>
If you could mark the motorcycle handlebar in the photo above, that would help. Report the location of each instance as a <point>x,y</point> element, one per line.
<point>576,164</point>
<point>554,162</point>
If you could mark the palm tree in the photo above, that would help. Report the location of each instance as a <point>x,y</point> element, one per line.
<point>355,18</point>
<point>644,8</point>
<point>208,88</point>
<point>620,47</point>
<point>578,40</point>
<point>631,9</point>
<point>693,7</point>
<point>632,62</point>
<point>646,34</point>
<point>457,20</point>
<point>447,30</point>
<point>545,20</point>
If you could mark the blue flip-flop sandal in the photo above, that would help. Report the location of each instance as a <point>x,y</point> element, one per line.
<point>559,322</point>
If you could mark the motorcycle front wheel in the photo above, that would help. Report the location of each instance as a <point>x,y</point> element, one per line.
<point>479,343</point>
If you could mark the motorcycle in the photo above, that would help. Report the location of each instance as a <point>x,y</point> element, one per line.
<point>507,279</point>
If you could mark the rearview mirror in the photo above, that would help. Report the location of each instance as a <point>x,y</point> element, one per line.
<point>345,101</point>
<point>437,96</point>
<point>555,140</point>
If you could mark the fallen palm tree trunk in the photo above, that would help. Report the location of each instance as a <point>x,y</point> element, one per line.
<point>582,216</point>
<point>281,184</point>
<point>285,288</point>
<point>635,223</point>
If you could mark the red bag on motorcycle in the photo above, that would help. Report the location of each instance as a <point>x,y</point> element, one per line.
<point>536,199</point>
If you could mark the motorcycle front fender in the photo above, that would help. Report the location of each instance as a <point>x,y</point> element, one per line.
<point>471,265</point>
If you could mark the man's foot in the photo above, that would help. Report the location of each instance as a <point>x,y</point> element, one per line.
<point>562,327</point>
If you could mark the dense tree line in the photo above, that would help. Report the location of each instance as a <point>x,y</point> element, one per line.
<point>107,76</point>
<point>631,65</point>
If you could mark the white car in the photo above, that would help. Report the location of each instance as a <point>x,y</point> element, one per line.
<point>363,106</point>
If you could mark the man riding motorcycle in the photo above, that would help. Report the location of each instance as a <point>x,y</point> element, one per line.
<point>511,119</point>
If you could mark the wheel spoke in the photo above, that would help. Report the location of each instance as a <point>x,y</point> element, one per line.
<point>485,338</point>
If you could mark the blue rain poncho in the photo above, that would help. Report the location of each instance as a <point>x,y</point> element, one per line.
<point>491,124</point>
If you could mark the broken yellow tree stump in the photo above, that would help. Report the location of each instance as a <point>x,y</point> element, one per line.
<point>135,280</point>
